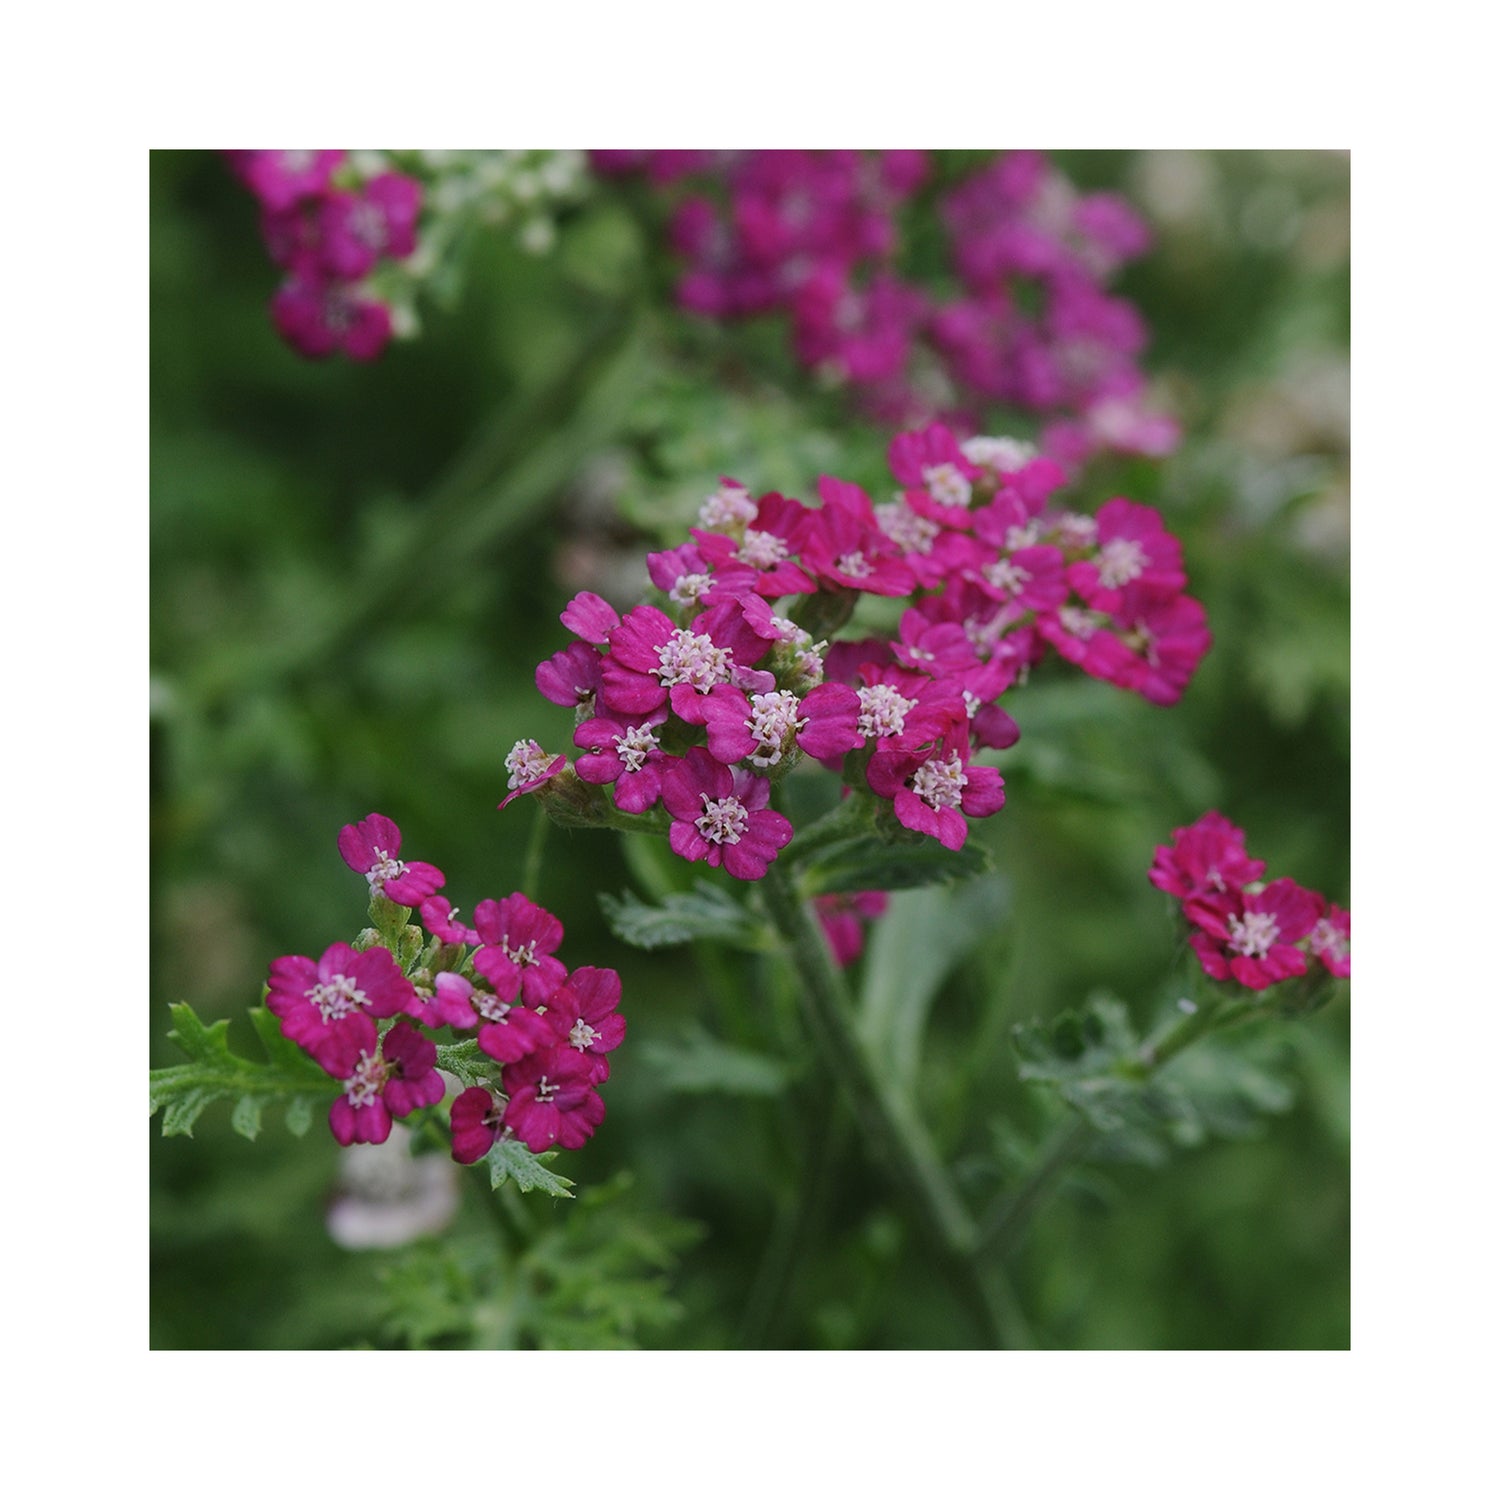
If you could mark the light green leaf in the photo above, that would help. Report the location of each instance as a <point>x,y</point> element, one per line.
<point>216,1073</point>
<point>510,1160</point>
<point>704,913</point>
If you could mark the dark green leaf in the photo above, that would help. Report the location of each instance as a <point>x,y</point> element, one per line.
<point>699,1064</point>
<point>868,863</point>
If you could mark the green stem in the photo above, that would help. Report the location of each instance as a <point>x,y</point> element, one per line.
<point>885,1117</point>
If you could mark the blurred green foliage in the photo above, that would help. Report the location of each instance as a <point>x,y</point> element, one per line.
<point>355,571</point>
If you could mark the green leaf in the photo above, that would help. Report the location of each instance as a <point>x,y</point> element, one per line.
<point>700,1064</point>
<point>868,862</point>
<point>922,938</point>
<point>704,913</point>
<point>216,1073</point>
<point>1076,1046</point>
<point>466,1062</point>
<point>510,1160</point>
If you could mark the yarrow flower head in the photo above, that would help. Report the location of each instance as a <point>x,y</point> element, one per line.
<point>370,848</point>
<point>1244,930</point>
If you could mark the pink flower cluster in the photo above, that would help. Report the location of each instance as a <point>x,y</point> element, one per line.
<point>815,235</point>
<point>703,709</point>
<point>547,1031</point>
<point>328,236</point>
<point>1243,928</point>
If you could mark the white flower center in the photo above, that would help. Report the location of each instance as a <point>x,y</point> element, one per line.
<point>1120,561</point>
<point>909,531</point>
<point>724,821</point>
<point>854,565</point>
<point>384,868</point>
<point>762,549</point>
<point>691,658</point>
<point>1075,621</point>
<point>545,1090</point>
<point>367,225</point>
<point>1017,537</point>
<point>1002,454</point>
<point>728,505</point>
<point>689,588</point>
<point>634,746</point>
<point>941,783</point>
<point>773,721</point>
<point>523,956</point>
<point>1326,938</point>
<point>1007,576</point>
<point>364,1085</point>
<point>1253,934</point>
<point>1077,531</point>
<point>582,1036</point>
<point>883,711</point>
<point>946,484</point>
<point>526,762</point>
<point>337,998</point>
<point>490,1006</point>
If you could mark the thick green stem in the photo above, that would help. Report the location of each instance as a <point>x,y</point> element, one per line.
<point>886,1119</point>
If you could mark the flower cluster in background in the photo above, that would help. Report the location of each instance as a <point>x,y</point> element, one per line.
<point>701,705</point>
<point>1243,928</point>
<point>1022,317</point>
<point>543,1032</point>
<point>343,227</point>
<point>327,224</point>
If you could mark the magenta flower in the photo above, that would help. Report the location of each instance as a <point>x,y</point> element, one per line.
<point>625,752</point>
<point>649,656</point>
<point>1251,936</point>
<point>1205,857</point>
<point>1133,548</point>
<point>722,817</point>
<point>370,847</point>
<point>477,1118</point>
<point>584,1012</point>
<point>318,317</point>
<point>843,544</point>
<point>281,178</point>
<point>763,727</point>
<point>362,228</point>
<point>519,939</point>
<point>933,787</point>
<point>552,1098</point>
<point>529,766</point>
<point>450,1002</point>
<point>383,1077</point>
<point>842,925</point>
<point>441,920</point>
<point>1329,941</point>
<point>319,1003</point>
<point>570,676</point>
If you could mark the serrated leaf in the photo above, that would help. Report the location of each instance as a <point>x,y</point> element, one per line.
<point>704,913</point>
<point>512,1161</point>
<point>466,1062</point>
<point>216,1073</point>
<point>245,1117</point>
<point>700,1064</point>
<point>1076,1045</point>
<point>867,862</point>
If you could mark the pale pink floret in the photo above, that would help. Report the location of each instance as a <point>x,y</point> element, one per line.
<point>371,847</point>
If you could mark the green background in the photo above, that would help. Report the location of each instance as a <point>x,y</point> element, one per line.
<point>355,570</point>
